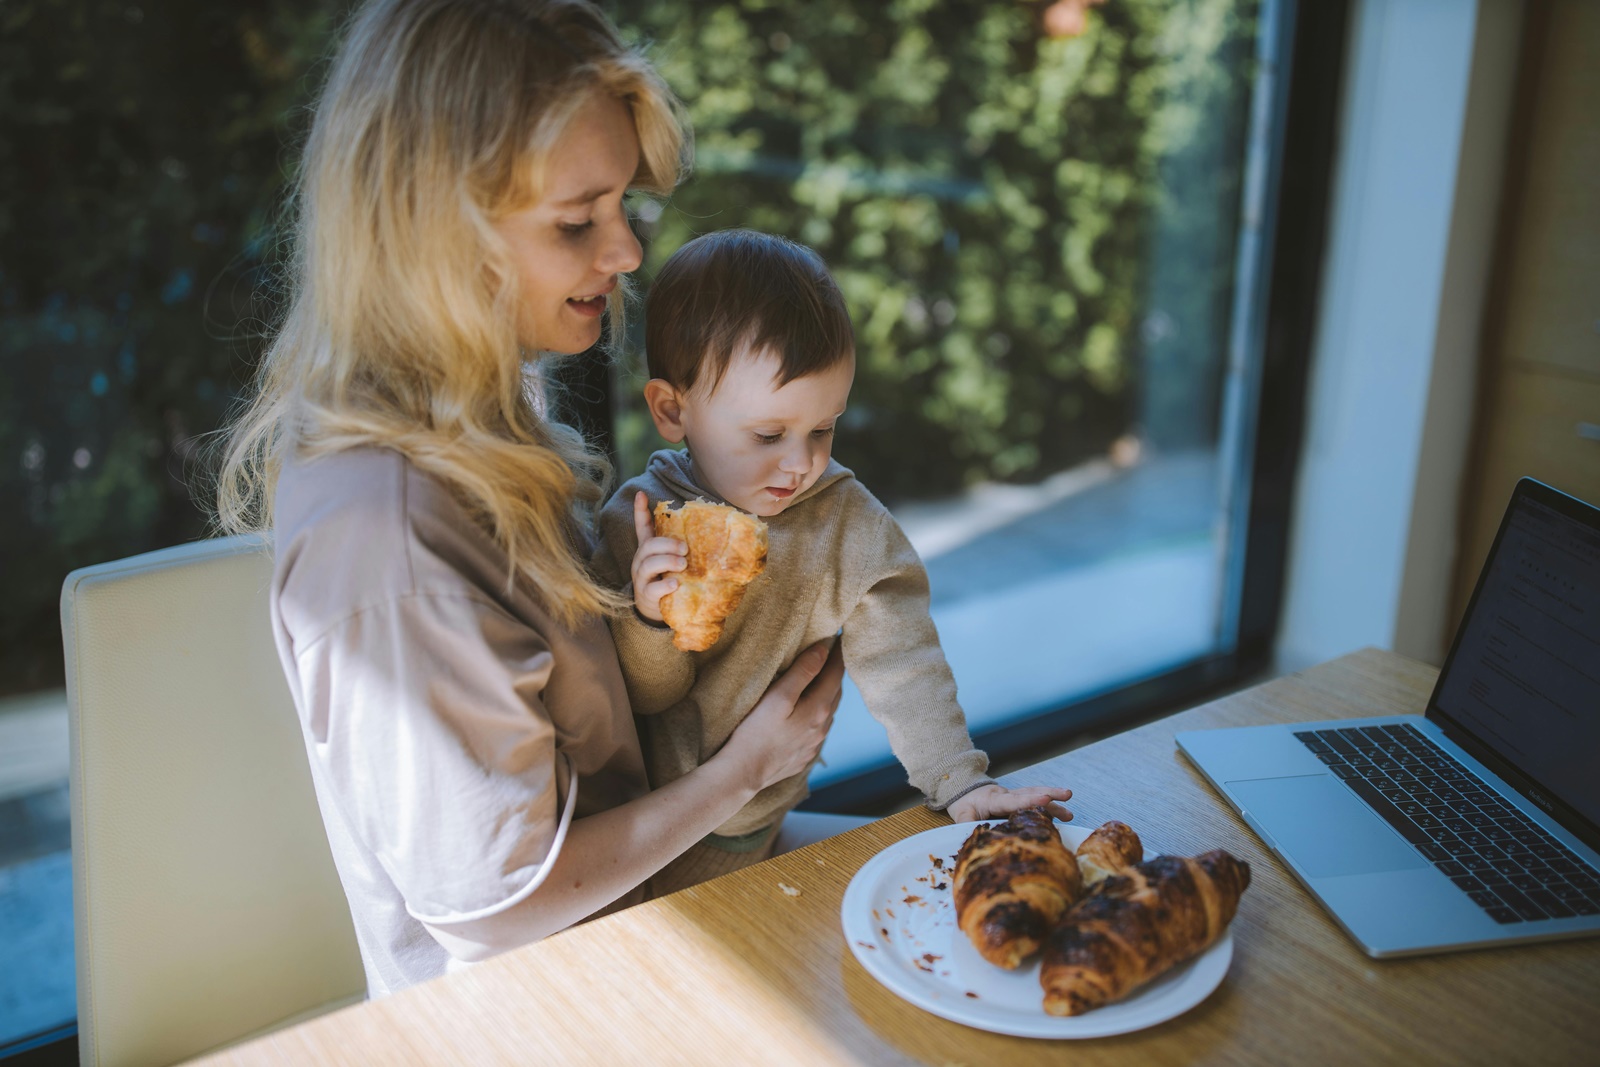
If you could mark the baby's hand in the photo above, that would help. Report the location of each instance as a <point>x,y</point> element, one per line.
<point>654,564</point>
<point>997,802</point>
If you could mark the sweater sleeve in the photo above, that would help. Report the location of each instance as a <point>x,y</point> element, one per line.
<point>891,650</point>
<point>657,674</point>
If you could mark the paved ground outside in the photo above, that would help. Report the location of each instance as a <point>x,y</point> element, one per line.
<point>37,988</point>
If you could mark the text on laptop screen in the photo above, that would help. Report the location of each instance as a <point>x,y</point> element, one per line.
<point>1525,675</point>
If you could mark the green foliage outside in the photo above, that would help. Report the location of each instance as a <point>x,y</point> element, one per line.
<point>143,151</point>
<point>1035,235</point>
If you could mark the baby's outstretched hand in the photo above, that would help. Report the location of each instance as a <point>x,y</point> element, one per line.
<point>654,565</point>
<point>997,802</point>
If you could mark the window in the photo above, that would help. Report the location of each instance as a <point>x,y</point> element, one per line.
<point>1079,242</point>
<point>1053,232</point>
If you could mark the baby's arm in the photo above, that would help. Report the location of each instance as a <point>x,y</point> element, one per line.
<point>892,652</point>
<point>658,676</point>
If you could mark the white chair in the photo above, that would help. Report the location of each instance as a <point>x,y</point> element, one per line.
<point>206,902</point>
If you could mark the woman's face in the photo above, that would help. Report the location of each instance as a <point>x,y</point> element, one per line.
<point>569,246</point>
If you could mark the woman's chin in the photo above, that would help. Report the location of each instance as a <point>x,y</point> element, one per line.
<point>572,345</point>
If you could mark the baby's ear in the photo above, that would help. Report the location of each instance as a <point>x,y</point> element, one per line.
<point>666,408</point>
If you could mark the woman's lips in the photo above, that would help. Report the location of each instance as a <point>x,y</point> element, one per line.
<point>590,308</point>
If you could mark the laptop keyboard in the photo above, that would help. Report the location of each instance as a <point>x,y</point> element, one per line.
<point>1511,867</point>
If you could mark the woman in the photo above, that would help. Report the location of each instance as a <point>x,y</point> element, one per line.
<point>460,210</point>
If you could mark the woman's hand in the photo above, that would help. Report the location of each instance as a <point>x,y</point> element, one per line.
<point>783,733</point>
<point>654,564</point>
<point>997,802</point>
<point>612,851</point>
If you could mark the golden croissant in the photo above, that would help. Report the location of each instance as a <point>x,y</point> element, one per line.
<point>727,549</point>
<point>1012,881</point>
<point>1136,925</point>
<point>1106,851</point>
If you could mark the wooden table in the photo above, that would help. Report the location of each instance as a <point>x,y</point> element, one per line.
<point>737,971</point>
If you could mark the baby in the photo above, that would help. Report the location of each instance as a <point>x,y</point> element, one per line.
<point>751,357</point>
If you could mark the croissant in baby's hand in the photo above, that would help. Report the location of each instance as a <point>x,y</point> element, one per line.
<point>727,549</point>
<point>1012,881</point>
<point>1136,925</point>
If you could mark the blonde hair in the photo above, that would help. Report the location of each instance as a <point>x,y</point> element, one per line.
<point>400,331</point>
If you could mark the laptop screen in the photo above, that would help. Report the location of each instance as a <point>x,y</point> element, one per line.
<point>1524,676</point>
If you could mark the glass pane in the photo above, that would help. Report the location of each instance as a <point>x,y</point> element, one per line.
<point>1034,211</point>
<point>143,158</point>
<point>1037,235</point>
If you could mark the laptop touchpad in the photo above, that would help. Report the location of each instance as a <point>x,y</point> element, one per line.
<point>1324,827</point>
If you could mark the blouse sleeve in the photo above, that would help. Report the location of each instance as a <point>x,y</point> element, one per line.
<point>428,722</point>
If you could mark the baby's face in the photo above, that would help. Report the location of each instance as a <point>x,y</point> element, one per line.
<point>756,445</point>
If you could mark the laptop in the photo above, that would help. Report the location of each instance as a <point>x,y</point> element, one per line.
<point>1477,823</point>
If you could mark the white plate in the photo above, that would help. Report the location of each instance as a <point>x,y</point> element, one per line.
<point>900,921</point>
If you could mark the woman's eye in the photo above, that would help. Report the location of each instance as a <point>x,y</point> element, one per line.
<point>769,438</point>
<point>573,229</point>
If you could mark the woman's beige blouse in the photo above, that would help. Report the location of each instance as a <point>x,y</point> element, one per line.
<point>454,727</point>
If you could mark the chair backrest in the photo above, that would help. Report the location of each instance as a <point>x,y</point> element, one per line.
<point>206,902</point>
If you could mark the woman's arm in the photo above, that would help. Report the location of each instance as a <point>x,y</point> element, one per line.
<point>607,854</point>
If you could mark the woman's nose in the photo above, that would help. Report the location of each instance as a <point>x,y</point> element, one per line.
<point>621,252</point>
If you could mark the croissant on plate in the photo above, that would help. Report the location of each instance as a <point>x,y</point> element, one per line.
<point>727,549</point>
<point>1106,851</point>
<point>1136,925</point>
<point>1012,881</point>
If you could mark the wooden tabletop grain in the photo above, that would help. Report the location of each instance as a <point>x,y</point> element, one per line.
<point>739,971</point>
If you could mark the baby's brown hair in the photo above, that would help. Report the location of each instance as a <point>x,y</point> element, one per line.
<point>736,287</point>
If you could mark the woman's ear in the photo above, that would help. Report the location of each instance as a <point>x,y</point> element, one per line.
<point>666,409</point>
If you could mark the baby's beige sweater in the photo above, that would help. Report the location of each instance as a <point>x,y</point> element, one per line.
<point>836,559</point>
